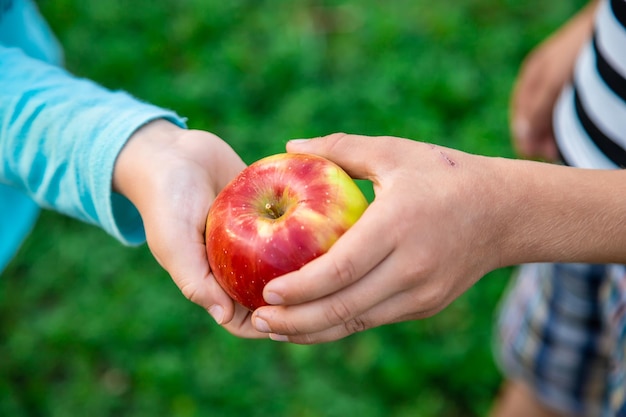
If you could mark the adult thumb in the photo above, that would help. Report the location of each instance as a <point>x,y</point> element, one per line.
<point>354,153</point>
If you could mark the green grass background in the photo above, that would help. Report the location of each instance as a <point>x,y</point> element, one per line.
<point>91,328</point>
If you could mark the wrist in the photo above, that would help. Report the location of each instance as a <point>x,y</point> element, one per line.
<point>553,213</point>
<point>132,166</point>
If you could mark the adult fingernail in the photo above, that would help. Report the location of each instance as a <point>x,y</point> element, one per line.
<point>278,337</point>
<point>261,325</point>
<point>273,298</point>
<point>521,129</point>
<point>217,312</point>
<point>298,141</point>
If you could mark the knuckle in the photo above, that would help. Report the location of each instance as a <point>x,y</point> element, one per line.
<point>357,324</point>
<point>406,280</point>
<point>305,339</point>
<point>287,328</point>
<point>345,271</point>
<point>191,292</point>
<point>416,274</point>
<point>431,299</point>
<point>334,141</point>
<point>339,312</point>
<point>282,323</point>
<point>334,138</point>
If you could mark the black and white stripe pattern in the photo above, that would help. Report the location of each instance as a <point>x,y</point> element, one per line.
<point>590,117</point>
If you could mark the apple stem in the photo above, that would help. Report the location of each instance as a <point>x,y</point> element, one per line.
<point>273,211</point>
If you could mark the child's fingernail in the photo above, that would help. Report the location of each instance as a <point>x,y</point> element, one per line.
<point>217,312</point>
<point>278,337</point>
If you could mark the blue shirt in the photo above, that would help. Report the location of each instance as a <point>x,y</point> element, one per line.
<point>59,135</point>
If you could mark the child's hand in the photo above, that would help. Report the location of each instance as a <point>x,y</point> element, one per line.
<point>543,74</point>
<point>172,176</point>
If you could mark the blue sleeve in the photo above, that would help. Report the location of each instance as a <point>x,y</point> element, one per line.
<point>17,216</point>
<point>60,136</point>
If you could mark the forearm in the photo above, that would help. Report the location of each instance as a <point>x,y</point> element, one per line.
<point>60,136</point>
<point>554,213</point>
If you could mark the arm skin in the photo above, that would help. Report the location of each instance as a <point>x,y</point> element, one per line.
<point>73,146</point>
<point>172,176</point>
<point>441,220</point>
<point>542,76</point>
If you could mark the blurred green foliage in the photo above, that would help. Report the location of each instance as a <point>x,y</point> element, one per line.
<point>91,328</point>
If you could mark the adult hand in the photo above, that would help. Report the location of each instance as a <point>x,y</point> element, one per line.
<point>172,176</point>
<point>427,237</point>
<point>440,221</point>
<point>542,76</point>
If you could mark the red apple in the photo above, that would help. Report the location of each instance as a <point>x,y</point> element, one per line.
<point>278,214</point>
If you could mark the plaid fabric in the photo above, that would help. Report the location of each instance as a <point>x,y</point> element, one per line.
<point>614,297</point>
<point>562,330</point>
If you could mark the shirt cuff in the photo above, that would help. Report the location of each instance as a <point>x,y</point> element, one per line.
<point>115,213</point>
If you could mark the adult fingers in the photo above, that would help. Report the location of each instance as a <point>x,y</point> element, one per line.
<point>241,325</point>
<point>396,309</point>
<point>363,157</point>
<point>393,276</point>
<point>367,243</point>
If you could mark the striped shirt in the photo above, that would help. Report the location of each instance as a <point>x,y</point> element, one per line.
<point>563,326</point>
<point>590,117</point>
